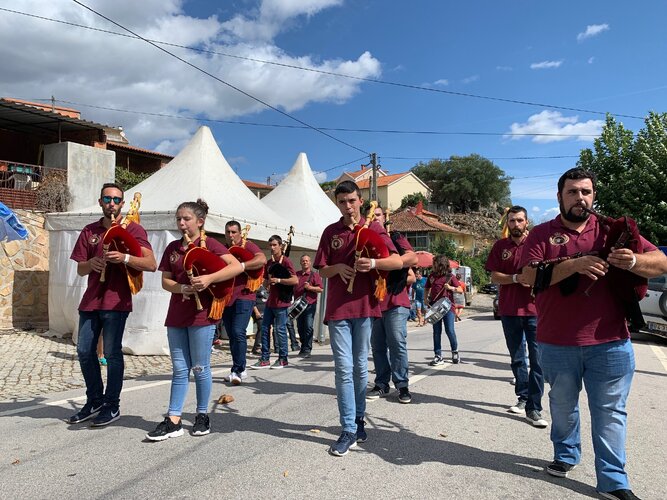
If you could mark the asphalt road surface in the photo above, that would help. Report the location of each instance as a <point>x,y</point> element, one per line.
<point>456,439</point>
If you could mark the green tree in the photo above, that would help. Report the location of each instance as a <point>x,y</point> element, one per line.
<point>412,200</point>
<point>465,182</point>
<point>632,173</point>
<point>126,179</point>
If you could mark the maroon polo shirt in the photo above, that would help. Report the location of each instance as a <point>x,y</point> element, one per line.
<point>402,299</point>
<point>436,282</point>
<point>183,312</point>
<point>515,299</point>
<point>114,294</point>
<point>337,246</point>
<point>575,320</point>
<point>274,299</point>
<point>313,279</point>
<point>241,291</point>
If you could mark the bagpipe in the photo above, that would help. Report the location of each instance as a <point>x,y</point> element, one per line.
<point>255,276</point>
<point>369,243</point>
<point>627,286</point>
<point>277,270</point>
<point>199,261</point>
<point>119,239</point>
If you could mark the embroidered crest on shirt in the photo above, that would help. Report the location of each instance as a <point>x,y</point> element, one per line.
<point>94,239</point>
<point>559,239</point>
<point>336,242</point>
<point>173,257</point>
<point>507,254</point>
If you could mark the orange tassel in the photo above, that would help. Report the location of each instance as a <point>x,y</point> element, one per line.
<point>135,282</point>
<point>253,284</point>
<point>218,307</point>
<point>380,288</point>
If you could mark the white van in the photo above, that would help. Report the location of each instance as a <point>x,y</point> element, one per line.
<point>466,277</point>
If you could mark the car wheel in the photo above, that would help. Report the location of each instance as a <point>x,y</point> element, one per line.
<point>663,303</point>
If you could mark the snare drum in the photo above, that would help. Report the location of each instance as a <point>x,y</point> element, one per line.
<point>438,310</point>
<point>297,307</point>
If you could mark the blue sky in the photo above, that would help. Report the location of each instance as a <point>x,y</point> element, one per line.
<point>595,55</point>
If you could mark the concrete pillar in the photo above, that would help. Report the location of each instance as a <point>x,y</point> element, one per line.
<point>87,169</point>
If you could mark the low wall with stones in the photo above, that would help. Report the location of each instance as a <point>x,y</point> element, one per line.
<point>24,277</point>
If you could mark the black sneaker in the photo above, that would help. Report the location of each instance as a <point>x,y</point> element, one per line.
<point>559,469</point>
<point>455,357</point>
<point>362,436</point>
<point>377,392</point>
<point>404,395</point>
<point>108,414</point>
<point>88,411</point>
<point>346,441</point>
<point>519,407</point>
<point>304,355</point>
<point>165,430</point>
<point>619,495</point>
<point>437,361</point>
<point>535,418</point>
<point>202,425</point>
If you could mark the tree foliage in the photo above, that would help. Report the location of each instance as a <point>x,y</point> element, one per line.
<point>328,185</point>
<point>412,200</point>
<point>444,245</point>
<point>126,179</point>
<point>632,174</point>
<point>53,195</point>
<point>465,182</point>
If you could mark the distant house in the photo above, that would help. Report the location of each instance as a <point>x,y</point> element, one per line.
<point>421,228</point>
<point>391,189</point>
<point>258,189</point>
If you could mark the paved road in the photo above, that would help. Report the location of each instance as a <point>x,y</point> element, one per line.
<point>455,439</point>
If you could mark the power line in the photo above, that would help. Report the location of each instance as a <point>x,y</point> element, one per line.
<point>221,80</point>
<point>487,157</point>
<point>313,70</point>
<point>331,129</point>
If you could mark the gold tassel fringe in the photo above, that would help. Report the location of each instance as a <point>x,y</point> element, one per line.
<point>380,288</point>
<point>135,282</point>
<point>253,284</point>
<point>218,307</point>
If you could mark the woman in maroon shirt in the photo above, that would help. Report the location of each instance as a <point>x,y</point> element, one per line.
<point>442,283</point>
<point>189,331</point>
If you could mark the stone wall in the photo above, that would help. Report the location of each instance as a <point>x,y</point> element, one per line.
<point>24,276</point>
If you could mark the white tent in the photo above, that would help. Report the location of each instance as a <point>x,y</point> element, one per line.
<point>199,171</point>
<point>300,195</point>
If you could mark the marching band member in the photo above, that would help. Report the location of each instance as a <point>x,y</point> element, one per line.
<point>442,283</point>
<point>310,285</point>
<point>349,313</point>
<point>105,306</point>
<point>190,330</point>
<point>237,313</point>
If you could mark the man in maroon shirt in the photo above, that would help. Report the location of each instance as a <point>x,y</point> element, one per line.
<point>310,285</point>
<point>389,336</point>
<point>105,306</point>
<point>280,298</point>
<point>237,313</point>
<point>517,313</point>
<point>582,334</point>
<point>348,314</point>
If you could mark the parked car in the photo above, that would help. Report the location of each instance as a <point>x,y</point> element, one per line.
<point>491,288</point>
<point>654,307</point>
<point>496,306</point>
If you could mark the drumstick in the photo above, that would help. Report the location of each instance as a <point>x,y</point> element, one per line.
<point>105,249</point>
<point>189,272</point>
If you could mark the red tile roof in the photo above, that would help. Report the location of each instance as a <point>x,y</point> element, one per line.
<point>407,222</point>
<point>257,185</point>
<point>122,145</point>
<point>385,180</point>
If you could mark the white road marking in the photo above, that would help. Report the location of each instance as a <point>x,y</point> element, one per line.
<point>660,354</point>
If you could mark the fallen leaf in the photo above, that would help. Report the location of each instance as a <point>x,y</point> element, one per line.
<point>286,473</point>
<point>315,430</point>
<point>225,398</point>
<point>16,461</point>
<point>442,434</point>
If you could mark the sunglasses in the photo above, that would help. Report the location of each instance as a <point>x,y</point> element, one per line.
<point>116,199</point>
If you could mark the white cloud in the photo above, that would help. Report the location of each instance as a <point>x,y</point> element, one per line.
<point>535,208</point>
<point>591,60</point>
<point>441,82</point>
<point>84,66</point>
<point>592,30</point>
<point>553,122</point>
<point>470,79</point>
<point>504,68</point>
<point>550,213</point>
<point>546,64</point>
<point>320,176</point>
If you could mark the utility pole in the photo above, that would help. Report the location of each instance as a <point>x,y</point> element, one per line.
<point>374,177</point>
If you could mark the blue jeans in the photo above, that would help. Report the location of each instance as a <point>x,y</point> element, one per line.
<point>529,385</point>
<point>289,324</point>
<point>349,343</point>
<point>305,325</point>
<point>190,349</point>
<point>91,324</point>
<point>236,318</point>
<point>606,371</point>
<point>448,320</point>
<point>390,348</point>
<point>278,318</point>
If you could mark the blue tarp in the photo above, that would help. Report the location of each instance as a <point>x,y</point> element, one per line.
<point>10,227</point>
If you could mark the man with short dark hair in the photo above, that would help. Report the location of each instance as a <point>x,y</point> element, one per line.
<point>582,332</point>
<point>349,314</point>
<point>237,313</point>
<point>518,316</point>
<point>105,306</point>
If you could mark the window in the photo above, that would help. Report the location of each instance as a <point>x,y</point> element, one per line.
<point>419,241</point>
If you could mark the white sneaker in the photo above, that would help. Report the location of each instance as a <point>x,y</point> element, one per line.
<point>228,378</point>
